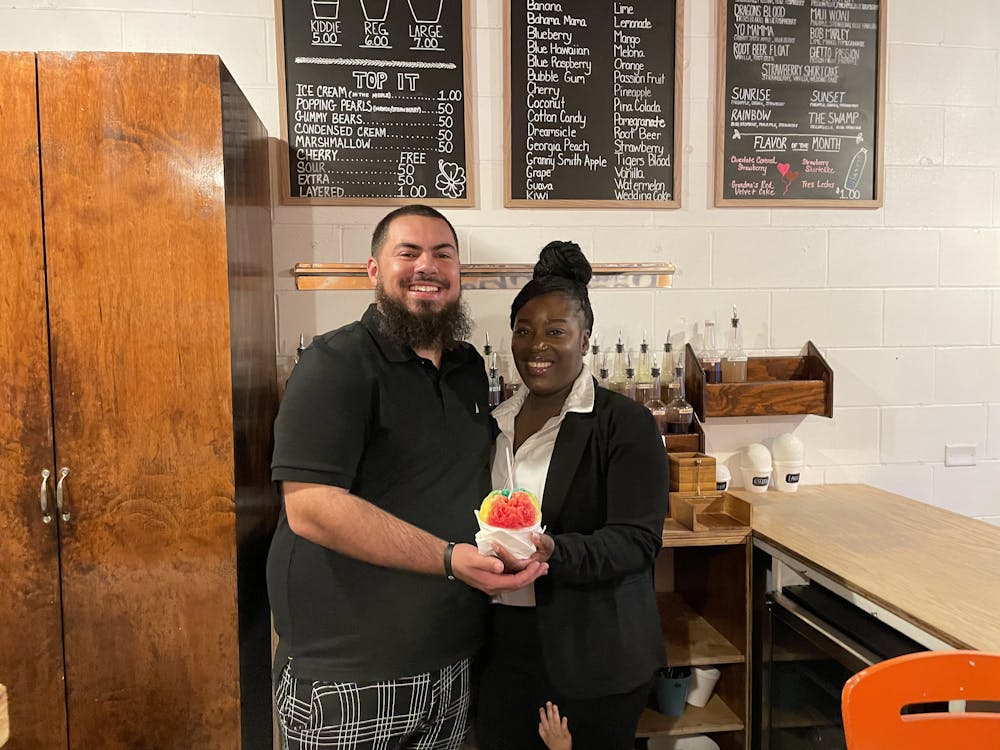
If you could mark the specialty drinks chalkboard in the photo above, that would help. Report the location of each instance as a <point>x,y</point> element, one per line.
<point>592,104</point>
<point>375,107</point>
<point>800,102</point>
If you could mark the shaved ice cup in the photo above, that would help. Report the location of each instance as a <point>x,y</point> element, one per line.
<point>516,541</point>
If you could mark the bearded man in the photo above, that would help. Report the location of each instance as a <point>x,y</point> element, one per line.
<point>382,450</point>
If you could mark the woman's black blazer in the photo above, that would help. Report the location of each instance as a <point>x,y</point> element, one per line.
<point>605,498</point>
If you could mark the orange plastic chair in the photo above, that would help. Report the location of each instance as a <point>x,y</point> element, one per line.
<point>872,700</point>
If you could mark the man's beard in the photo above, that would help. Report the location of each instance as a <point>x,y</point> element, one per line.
<point>426,329</point>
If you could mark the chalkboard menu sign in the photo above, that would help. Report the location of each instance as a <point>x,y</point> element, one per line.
<point>375,107</point>
<point>593,92</point>
<point>800,102</point>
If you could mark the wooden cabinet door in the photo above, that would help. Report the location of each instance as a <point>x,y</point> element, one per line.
<point>31,663</point>
<point>141,390</point>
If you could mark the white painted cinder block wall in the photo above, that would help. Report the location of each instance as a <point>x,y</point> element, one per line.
<point>903,301</point>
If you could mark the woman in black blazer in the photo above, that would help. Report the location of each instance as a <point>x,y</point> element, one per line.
<point>586,636</point>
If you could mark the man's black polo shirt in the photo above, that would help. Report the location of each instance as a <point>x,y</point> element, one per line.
<point>363,413</point>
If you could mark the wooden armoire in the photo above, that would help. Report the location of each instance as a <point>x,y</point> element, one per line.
<point>138,378</point>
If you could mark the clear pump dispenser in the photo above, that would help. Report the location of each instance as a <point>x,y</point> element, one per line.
<point>617,378</point>
<point>709,357</point>
<point>680,413</point>
<point>734,362</point>
<point>656,407</point>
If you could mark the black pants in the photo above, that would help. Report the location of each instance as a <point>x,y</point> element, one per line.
<point>514,684</point>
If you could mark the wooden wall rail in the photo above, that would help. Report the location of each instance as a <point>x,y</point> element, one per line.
<point>318,276</point>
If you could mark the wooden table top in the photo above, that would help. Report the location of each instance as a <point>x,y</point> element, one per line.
<point>936,569</point>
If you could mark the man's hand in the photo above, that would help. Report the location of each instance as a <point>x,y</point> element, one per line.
<point>553,730</point>
<point>544,546</point>
<point>487,573</point>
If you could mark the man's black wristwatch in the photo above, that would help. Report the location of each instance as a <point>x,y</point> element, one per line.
<point>447,561</point>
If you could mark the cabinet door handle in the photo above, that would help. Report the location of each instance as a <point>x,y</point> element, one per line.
<point>43,495</point>
<point>63,473</point>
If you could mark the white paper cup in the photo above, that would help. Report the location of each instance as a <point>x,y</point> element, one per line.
<point>756,480</point>
<point>786,475</point>
<point>689,742</point>
<point>702,685</point>
<point>516,541</point>
<point>722,477</point>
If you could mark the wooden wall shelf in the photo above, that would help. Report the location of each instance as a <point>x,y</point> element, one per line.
<point>775,386</point>
<point>327,276</point>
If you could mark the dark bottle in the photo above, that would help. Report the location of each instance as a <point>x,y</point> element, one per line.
<point>603,377</point>
<point>680,413</point>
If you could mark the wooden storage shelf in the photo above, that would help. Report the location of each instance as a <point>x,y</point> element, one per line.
<point>710,511</point>
<point>688,442</point>
<point>775,386</point>
<point>716,716</point>
<point>677,535</point>
<point>701,582</point>
<point>691,641</point>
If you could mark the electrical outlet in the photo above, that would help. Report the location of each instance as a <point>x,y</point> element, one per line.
<point>960,454</point>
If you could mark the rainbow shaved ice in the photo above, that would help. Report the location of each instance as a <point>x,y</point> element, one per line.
<point>510,509</point>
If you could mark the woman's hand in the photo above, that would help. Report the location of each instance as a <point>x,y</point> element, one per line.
<point>544,546</point>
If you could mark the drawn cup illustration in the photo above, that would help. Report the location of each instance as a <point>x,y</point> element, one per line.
<point>375,10</point>
<point>326,10</point>
<point>425,11</point>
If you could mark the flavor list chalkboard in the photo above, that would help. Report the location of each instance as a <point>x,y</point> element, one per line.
<point>592,98</point>
<point>800,102</point>
<point>375,106</point>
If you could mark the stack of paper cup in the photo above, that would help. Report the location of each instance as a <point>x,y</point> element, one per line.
<point>722,476</point>
<point>755,464</point>
<point>788,457</point>
<point>703,681</point>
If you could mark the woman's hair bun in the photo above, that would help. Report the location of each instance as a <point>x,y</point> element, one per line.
<point>564,259</point>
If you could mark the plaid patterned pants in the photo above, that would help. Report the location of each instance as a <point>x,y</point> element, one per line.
<point>427,711</point>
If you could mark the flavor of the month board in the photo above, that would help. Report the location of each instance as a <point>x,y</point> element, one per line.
<point>592,102</point>
<point>375,107</point>
<point>800,103</point>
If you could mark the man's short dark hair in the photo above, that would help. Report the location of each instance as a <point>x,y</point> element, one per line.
<point>414,209</point>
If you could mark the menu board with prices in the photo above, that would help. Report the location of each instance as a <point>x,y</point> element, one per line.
<point>800,102</point>
<point>592,103</point>
<point>375,108</point>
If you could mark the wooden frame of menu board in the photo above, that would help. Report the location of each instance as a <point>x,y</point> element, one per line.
<point>812,162</point>
<point>354,82</point>
<point>642,168</point>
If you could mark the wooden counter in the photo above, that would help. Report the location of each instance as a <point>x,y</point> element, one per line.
<point>936,569</point>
